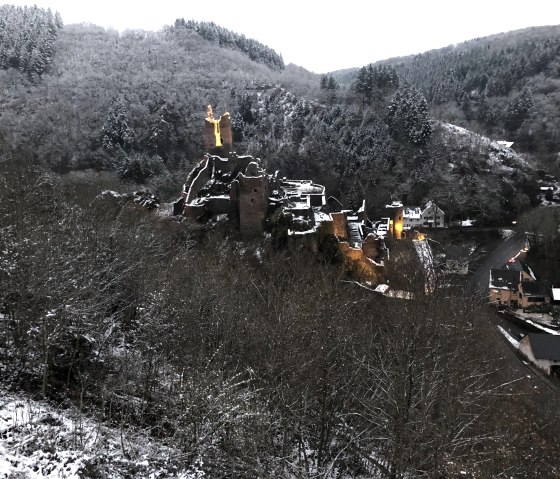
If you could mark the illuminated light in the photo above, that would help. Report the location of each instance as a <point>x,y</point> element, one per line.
<point>398,229</point>
<point>210,118</point>
<point>217,132</point>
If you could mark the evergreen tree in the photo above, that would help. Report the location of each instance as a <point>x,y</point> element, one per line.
<point>332,84</point>
<point>408,116</point>
<point>117,136</point>
<point>519,109</point>
<point>362,85</point>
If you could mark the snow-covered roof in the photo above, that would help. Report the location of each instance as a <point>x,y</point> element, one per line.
<point>504,279</point>
<point>507,144</point>
<point>413,212</point>
<point>468,222</point>
<point>395,204</point>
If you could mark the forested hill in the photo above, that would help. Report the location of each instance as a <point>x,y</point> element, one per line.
<point>506,84</point>
<point>132,104</point>
<point>207,357</point>
<point>162,79</point>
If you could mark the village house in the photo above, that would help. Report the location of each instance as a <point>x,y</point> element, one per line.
<point>543,350</point>
<point>405,219</point>
<point>516,286</point>
<point>556,295</point>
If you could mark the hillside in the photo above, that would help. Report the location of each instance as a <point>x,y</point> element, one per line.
<point>167,348</point>
<point>133,104</point>
<point>505,85</point>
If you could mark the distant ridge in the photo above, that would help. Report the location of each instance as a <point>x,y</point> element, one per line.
<point>255,50</point>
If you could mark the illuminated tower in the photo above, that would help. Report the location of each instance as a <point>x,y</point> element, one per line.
<point>217,133</point>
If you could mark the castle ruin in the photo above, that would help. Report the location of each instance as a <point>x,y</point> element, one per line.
<point>255,202</point>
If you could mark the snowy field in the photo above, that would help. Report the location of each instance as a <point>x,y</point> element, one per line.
<point>39,441</point>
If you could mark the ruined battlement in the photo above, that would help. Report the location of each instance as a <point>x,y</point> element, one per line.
<point>253,201</point>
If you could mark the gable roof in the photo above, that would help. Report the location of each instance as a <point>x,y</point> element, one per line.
<point>520,266</point>
<point>545,346</point>
<point>432,207</point>
<point>535,288</point>
<point>504,278</point>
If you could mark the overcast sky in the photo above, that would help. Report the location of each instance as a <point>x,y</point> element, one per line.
<point>327,35</point>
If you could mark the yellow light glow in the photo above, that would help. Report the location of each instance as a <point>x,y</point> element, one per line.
<point>210,118</point>
<point>217,132</point>
<point>398,229</point>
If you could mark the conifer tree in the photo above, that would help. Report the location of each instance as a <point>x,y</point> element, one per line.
<point>519,109</point>
<point>408,116</point>
<point>116,134</point>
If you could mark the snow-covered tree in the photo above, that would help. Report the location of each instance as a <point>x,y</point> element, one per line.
<point>116,134</point>
<point>519,109</point>
<point>408,116</point>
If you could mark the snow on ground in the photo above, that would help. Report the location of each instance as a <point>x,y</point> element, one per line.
<point>544,319</point>
<point>505,233</point>
<point>509,337</point>
<point>541,327</point>
<point>39,441</point>
<point>426,257</point>
<point>500,156</point>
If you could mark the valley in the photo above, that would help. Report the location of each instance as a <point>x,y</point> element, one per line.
<point>296,286</point>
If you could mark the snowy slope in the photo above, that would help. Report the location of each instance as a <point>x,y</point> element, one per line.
<point>39,441</point>
<point>498,157</point>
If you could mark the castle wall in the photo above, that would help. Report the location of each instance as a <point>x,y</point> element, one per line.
<point>218,205</point>
<point>339,225</point>
<point>358,265</point>
<point>307,241</point>
<point>225,133</point>
<point>193,211</point>
<point>201,179</point>
<point>253,204</point>
<point>370,247</point>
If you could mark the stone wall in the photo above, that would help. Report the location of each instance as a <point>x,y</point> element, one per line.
<point>359,266</point>
<point>251,196</point>
<point>218,205</point>
<point>370,246</point>
<point>194,211</point>
<point>225,133</point>
<point>339,225</point>
<point>223,127</point>
<point>201,179</point>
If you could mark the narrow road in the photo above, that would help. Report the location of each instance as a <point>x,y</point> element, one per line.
<point>478,285</point>
<point>508,248</point>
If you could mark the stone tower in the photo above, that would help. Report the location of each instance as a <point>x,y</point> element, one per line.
<point>217,132</point>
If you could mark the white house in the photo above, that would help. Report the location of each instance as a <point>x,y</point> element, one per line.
<point>431,216</point>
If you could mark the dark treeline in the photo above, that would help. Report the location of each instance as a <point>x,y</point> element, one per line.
<point>255,50</point>
<point>281,371</point>
<point>505,84</point>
